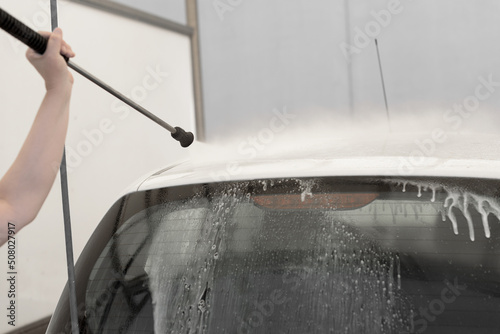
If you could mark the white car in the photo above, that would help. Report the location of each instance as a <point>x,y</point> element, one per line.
<point>352,239</point>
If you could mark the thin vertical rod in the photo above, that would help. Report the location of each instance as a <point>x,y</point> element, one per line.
<point>67,217</point>
<point>350,87</point>
<point>383,85</point>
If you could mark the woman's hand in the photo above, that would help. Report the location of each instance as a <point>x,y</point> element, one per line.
<point>51,65</point>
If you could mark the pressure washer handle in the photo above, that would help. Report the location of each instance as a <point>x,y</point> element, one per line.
<point>22,32</point>
<point>39,43</point>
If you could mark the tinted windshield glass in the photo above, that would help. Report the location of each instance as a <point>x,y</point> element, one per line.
<point>304,256</point>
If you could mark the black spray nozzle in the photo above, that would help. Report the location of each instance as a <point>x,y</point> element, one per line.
<point>185,138</point>
<point>39,43</point>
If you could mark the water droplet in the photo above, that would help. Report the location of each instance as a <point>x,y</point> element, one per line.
<point>202,306</point>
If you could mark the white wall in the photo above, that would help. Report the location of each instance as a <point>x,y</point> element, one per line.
<point>122,53</point>
<point>259,55</point>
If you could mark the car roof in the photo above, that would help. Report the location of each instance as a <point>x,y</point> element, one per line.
<point>394,155</point>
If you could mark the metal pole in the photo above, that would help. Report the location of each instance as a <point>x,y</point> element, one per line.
<point>193,22</point>
<point>67,218</point>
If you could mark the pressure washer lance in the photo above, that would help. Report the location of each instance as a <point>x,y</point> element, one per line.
<point>39,43</point>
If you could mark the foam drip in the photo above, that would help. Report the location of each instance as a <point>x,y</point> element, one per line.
<point>458,199</point>
<point>306,188</point>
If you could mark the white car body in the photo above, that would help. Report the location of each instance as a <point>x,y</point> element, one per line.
<point>221,228</point>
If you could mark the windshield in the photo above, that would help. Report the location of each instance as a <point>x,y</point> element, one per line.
<point>304,256</point>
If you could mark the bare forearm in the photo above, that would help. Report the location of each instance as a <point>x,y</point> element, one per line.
<point>30,178</point>
<point>26,184</point>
